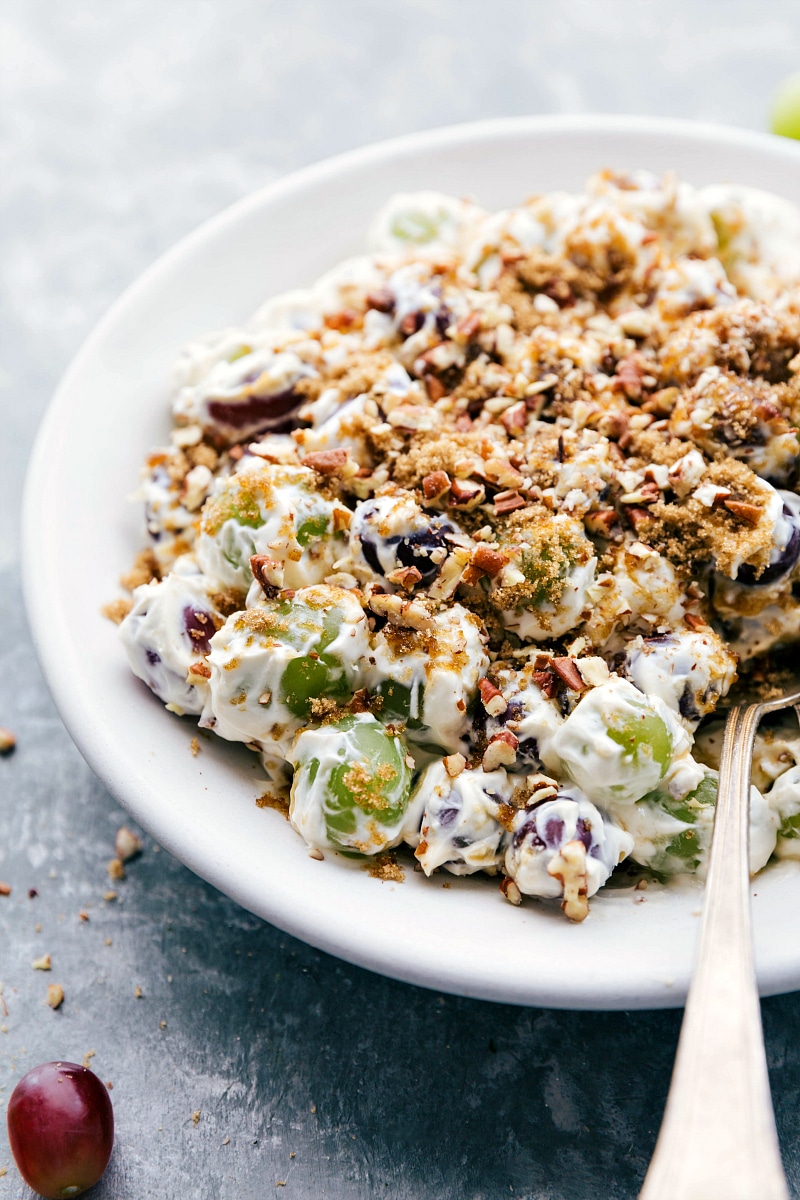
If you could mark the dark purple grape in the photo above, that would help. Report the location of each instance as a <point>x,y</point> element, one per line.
<point>687,705</point>
<point>554,832</point>
<point>528,755</point>
<point>782,566</point>
<point>60,1128</point>
<point>583,833</point>
<point>411,550</point>
<point>444,318</point>
<point>199,627</point>
<point>236,421</point>
<point>370,552</point>
<point>416,549</point>
<point>528,831</point>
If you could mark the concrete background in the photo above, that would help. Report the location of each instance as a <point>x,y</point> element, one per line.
<point>124,124</point>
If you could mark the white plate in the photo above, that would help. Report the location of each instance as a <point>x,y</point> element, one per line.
<point>80,532</point>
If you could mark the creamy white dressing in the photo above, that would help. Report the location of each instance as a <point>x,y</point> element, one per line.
<point>277,511</point>
<point>540,834</point>
<point>428,303</point>
<point>246,695</point>
<point>599,744</point>
<point>439,669</point>
<point>459,828</point>
<point>166,632</point>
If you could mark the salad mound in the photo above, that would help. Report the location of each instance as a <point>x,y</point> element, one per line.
<point>469,540</point>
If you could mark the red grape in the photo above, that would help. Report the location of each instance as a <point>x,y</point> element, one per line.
<point>61,1129</point>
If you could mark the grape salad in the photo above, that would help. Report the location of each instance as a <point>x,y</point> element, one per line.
<point>469,540</point>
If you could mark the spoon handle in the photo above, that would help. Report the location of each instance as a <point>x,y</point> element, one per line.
<point>718,1139</point>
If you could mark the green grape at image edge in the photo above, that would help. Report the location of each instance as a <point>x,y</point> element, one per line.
<point>785,118</point>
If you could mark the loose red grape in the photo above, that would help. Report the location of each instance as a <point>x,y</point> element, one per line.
<point>61,1129</point>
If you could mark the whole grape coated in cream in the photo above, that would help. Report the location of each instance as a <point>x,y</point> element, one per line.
<point>469,539</point>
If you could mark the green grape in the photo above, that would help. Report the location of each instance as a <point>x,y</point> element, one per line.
<point>546,582</point>
<point>786,108</point>
<point>294,621</point>
<point>306,677</point>
<point>784,799</point>
<point>618,744</point>
<point>686,846</point>
<point>658,844</point>
<point>638,733</point>
<point>417,227</point>
<point>397,703</point>
<point>704,794</point>
<point>314,527</point>
<point>239,503</point>
<point>790,827</point>
<point>315,673</point>
<point>352,777</point>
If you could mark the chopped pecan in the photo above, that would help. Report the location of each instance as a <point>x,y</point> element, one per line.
<point>492,698</point>
<point>360,701</point>
<point>593,669</point>
<point>546,680</point>
<point>694,621</point>
<point>501,751</point>
<point>638,517</point>
<point>412,417</point>
<point>648,493</point>
<point>326,462</point>
<point>405,577</point>
<point>454,764</point>
<point>542,385</point>
<point>749,514</point>
<point>464,493</point>
<point>500,472</point>
<point>569,866</point>
<point>767,411</point>
<point>489,561</point>
<point>342,518</point>
<point>402,612</point>
<point>510,890</point>
<point>630,373</point>
<point>602,522</point>
<point>613,425</point>
<point>515,418</point>
<point>434,387</point>
<point>661,403</point>
<point>410,323</point>
<point>198,669</point>
<point>267,571</point>
<point>506,502</point>
<point>435,485</point>
<point>566,669</point>
<point>450,575</point>
<point>468,326</point>
<point>346,318</point>
<point>382,300</point>
<point>126,844</point>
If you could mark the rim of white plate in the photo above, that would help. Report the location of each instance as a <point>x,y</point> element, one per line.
<point>369,928</point>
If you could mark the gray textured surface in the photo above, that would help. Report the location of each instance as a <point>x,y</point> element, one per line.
<point>123,125</point>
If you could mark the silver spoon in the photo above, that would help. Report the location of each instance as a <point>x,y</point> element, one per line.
<point>718,1139</point>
